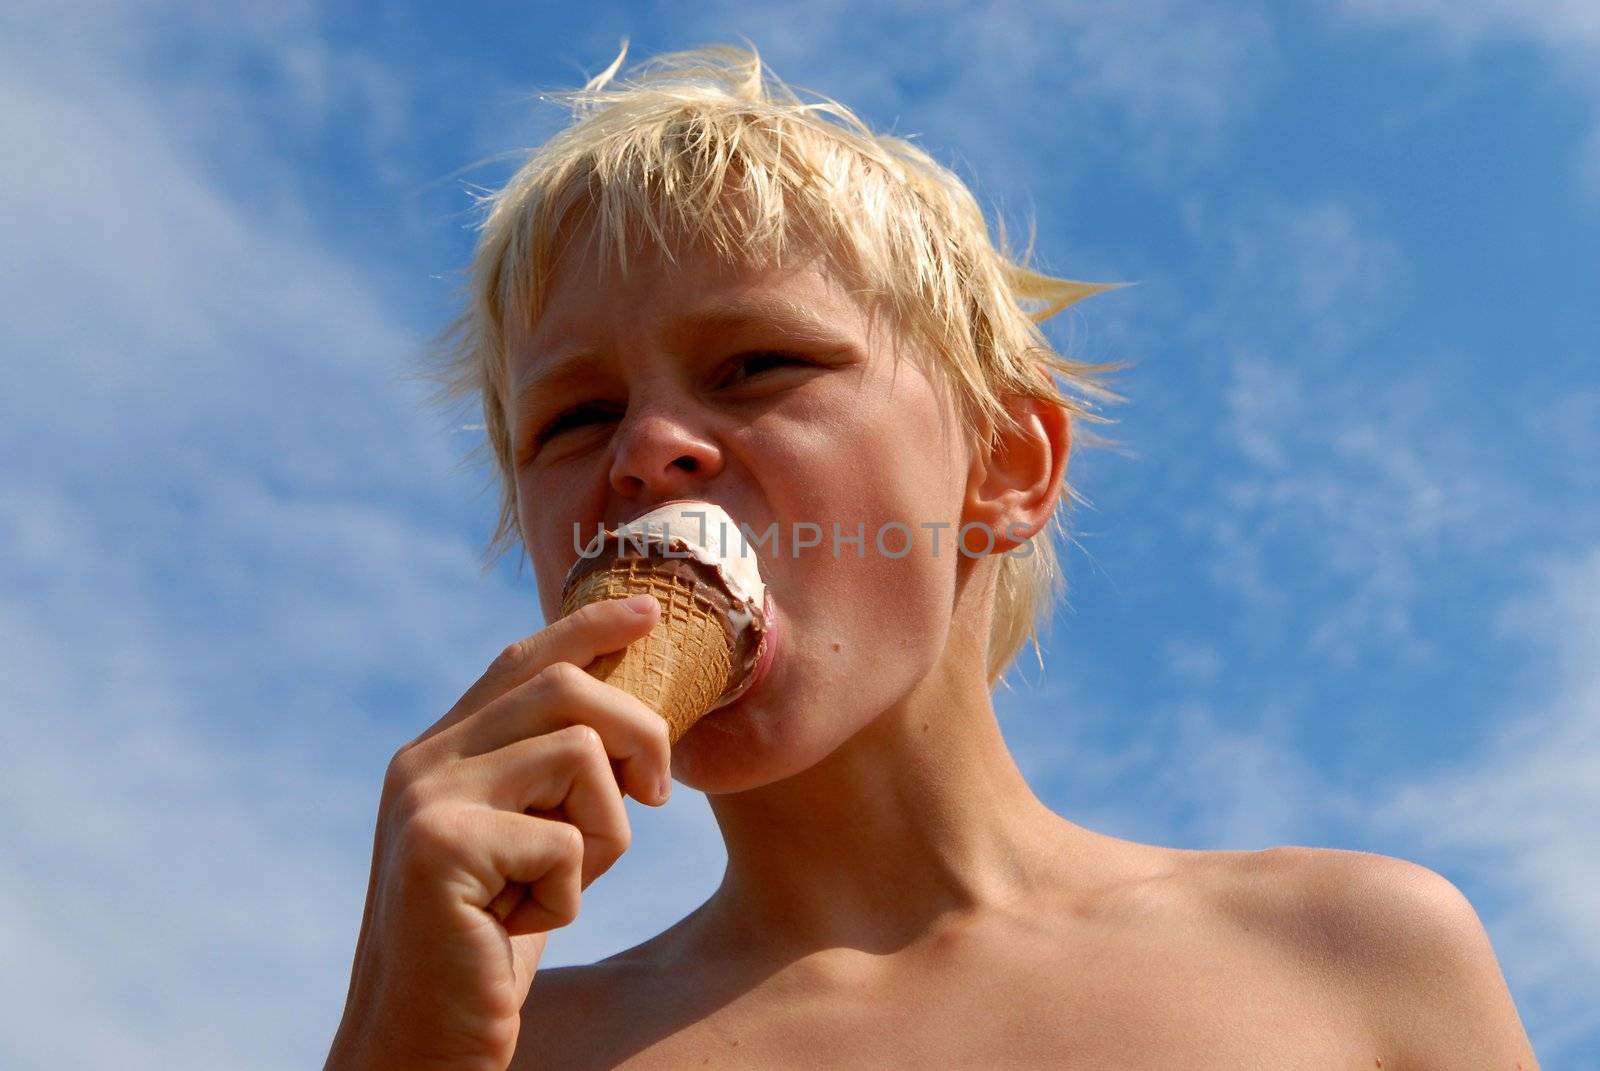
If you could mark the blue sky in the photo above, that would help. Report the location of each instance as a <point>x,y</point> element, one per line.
<point>1340,586</point>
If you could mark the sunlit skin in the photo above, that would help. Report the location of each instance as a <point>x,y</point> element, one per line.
<point>870,757</point>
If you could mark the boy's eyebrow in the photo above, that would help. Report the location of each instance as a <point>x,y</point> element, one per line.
<point>572,366</point>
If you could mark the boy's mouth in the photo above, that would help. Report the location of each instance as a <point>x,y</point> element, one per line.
<point>765,659</point>
<point>769,645</point>
<point>697,562</point>
<point>640,511</point>
<point>765,655</point>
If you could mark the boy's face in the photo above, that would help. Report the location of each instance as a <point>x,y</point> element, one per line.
<point>839,433</point>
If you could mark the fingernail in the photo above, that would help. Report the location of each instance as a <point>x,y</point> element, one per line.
<point>664,789</point>
<point>640,604</point>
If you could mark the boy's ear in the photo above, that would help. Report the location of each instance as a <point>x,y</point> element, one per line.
<point>1015,483</point>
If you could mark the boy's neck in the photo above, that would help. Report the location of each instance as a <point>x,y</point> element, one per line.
<point>922,818</point>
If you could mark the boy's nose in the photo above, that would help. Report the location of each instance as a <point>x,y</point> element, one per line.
<point>662,455</point>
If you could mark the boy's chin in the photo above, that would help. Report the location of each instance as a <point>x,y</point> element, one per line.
<point>738,748</point>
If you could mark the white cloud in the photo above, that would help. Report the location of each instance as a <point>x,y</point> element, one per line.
<point>192,782</point>
<point>182,898</point>
<point>1247,789</point>
<point>1180,774</point>
<point>1565,420</point>
<point>1325,275</point>
<point>1464,24</point>
<point>1193,661</point>
<point>1354,477</point>
<point>1350,495</point>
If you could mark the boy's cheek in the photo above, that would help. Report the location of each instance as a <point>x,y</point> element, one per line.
<point>870,599</point>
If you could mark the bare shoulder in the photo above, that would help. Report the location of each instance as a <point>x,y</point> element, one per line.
<point>609,1014</point>
<point>565,1006</point>
<point>1398,940</point>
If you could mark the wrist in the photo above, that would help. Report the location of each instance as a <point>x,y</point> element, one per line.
<point>364,1047</point>
<point>352,1052</point>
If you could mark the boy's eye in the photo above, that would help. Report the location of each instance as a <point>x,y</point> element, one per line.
<point>746,364</point>
<point>761,361</point>
<point>572,418</point>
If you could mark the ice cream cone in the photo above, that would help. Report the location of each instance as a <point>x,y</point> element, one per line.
<point>685,663</point>
<point>714,623</point>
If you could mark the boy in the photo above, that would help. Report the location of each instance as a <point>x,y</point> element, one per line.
<point>704,290</point>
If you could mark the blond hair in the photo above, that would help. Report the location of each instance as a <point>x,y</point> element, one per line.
<point>707,146</point>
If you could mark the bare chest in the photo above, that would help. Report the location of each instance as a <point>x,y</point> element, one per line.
<point>1112,1019</point>
<point>1154,1001</point>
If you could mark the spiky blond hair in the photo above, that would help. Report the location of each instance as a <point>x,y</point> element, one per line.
<point>707,148</point>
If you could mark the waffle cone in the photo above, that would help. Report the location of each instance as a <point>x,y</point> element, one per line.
<point>684,664</point>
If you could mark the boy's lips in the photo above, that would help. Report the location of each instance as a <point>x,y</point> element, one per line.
<point>769,647</point>
<point>649,507</point>
<point>764,661</point>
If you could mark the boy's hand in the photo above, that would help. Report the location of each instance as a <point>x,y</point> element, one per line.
<point>521,781</point>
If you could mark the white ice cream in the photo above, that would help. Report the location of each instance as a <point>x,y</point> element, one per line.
<point>703,531</point>
<point>687,528</point>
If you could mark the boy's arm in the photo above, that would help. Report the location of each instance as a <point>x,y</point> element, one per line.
<point>1407,944</point>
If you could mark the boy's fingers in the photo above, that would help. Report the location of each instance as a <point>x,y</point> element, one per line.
<point>579,638</point>
<point>562,695</point>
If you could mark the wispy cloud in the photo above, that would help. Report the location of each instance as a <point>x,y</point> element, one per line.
<point>1178,774</point>
<point>1519,815</point>
<point>1324,275</point>
<point>1349,494</point>
<point>216,480</point>
<point>1166,82</point>
<point>1344,473</point>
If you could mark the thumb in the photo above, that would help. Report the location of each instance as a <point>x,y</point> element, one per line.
<point>526,951</point>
